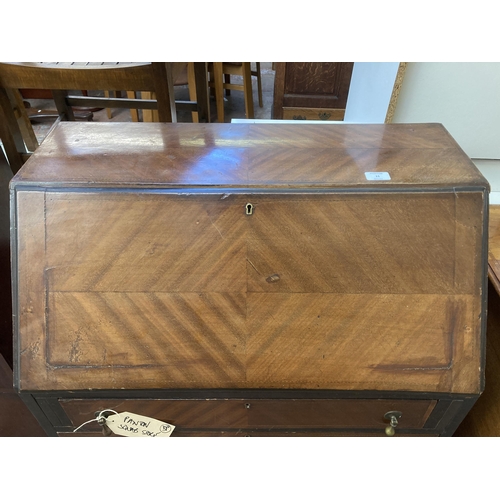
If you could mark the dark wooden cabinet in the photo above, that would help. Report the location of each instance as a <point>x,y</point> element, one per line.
<point>311,90</point>
<point>250,279</point>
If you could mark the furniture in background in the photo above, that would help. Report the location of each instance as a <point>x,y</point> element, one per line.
<point>214,289</point>
<point>220,80</point>
<point>38,114</point>
<point>61,77</point>
<point>184,74</point>
<point>484,418</point>
<point>311,90</point>
<point>15,418</point>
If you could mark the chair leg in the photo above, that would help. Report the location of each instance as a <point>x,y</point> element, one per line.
<point>219,91</point>
<point>201,87</point>
<point>192,89</point>
<point>155,112</point>
<point>227,79</point>
<point>248,93</point>
<point>147,114</point>
<point>10,134</point>
<point>65,111</point>
<point>108,94</point>
<point>259,84</point>
<point>134,113</point>
<point>162,72</point>
<point>23,120</point>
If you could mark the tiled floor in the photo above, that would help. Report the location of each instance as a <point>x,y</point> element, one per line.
<point>234,104</point>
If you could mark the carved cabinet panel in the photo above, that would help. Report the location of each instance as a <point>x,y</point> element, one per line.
<point>311,90</point>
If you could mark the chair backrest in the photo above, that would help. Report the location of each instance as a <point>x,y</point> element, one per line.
<point>91,76</point>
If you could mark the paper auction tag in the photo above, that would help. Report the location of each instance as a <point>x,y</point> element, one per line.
<point>132,425</point>
<point>377,176</point>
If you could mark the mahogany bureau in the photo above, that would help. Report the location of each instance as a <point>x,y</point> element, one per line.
<point>250,279</point>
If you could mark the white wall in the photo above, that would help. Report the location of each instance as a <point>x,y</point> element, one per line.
<point>464,97</point>
<point>370,92</point>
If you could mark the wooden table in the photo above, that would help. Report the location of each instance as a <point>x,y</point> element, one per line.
<point>484,419</point>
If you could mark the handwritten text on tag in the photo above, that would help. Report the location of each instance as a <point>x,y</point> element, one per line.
<point>133,425</point>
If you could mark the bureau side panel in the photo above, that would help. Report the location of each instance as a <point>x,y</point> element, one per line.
<point>30,335</point>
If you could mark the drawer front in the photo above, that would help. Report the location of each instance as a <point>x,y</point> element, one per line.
<point>259,414</point>
<point>324,114</point>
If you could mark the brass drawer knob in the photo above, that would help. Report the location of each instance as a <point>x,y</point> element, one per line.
<point>101,420</point>
<point>393,417</point>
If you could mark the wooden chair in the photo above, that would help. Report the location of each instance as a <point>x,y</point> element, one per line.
<point>182,74</point>
<point>220,80</point>
<point>61,77</point>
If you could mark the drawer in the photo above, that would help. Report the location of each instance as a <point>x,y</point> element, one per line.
<point>259,414</point>
<point>324,114</point>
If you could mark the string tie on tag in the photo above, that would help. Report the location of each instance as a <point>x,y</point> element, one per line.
<point>100,419</point>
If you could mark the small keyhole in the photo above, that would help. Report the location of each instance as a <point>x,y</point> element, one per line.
<point>249,209</point>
